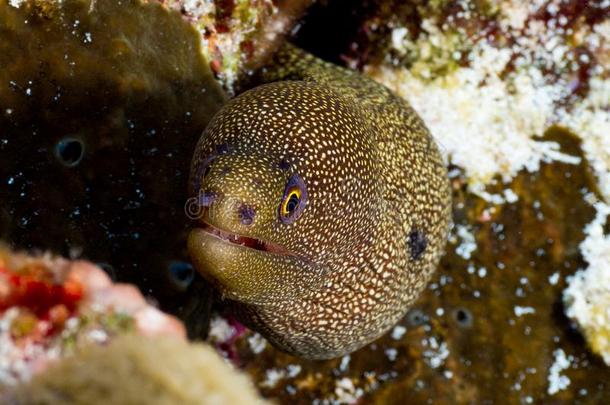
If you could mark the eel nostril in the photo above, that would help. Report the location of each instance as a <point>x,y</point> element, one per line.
<point>207,198</point>
<point>246,214</point>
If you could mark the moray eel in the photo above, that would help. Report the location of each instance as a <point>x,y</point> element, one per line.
<point>324,206</point>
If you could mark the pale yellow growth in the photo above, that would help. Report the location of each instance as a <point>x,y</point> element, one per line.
<point>140,370</point>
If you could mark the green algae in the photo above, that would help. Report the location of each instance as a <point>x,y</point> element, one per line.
<point>128,83</point>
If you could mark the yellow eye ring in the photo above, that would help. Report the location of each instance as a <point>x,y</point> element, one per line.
<point>294,200</point>
<point>291,201</point>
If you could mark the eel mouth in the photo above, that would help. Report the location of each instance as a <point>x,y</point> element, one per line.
<point>245,241</point>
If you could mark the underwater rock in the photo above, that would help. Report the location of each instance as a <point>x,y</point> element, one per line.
<point>139,370</point>
<point>239,36</point>
<point>101,104</point>
<point>491,77</point>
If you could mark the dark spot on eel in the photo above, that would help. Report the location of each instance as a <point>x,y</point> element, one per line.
<point>246,214</point>
<point>417,244</point>
<point>207,198</point>
<point>222,148</point>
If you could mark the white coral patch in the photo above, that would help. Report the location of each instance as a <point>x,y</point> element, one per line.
<point>587,296</point>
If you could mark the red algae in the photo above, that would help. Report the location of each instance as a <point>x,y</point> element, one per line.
<point>40,296</point>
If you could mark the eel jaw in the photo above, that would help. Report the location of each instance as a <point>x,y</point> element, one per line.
<point>245,241</point>
<point>242,268</point>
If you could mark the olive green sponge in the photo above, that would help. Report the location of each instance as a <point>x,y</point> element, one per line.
<point>139,370</point>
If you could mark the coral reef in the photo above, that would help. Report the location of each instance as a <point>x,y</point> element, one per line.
<point>500,73</point>
<point>239,36</point>
<point>504,71</point>
<point>587,297</point>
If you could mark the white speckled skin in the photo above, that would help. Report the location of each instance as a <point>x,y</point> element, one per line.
<point>375,221</point>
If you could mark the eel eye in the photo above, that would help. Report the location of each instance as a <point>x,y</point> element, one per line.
<point>293,201</point>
